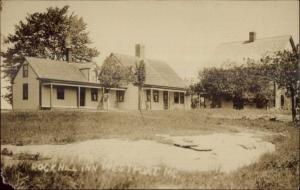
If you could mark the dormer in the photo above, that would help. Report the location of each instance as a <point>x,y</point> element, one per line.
<point>90,72</point>
<point>85,72</point>
<point>94,75</point>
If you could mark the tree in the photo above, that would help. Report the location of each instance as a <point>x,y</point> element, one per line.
<point>113,74</point>
<point>43,34</point>
<point>213,82</point>
<point>140,74</point>
<point>282,68</point>
<point>196,88</point>
<point>244,82</point>
<point>235,81</point>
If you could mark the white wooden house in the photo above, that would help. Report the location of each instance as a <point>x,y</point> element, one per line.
<point>48,84</point>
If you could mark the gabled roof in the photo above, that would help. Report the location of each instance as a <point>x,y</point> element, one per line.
<point>158,73</point>
<point>59,70</point>
<point>238,52</point>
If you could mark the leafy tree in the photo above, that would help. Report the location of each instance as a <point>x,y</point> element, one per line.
<point>113,74</point>
<point>256,78</point>
<point>43,34</point>
<point>245,82</point>
<point>282,68</point>
<point>196,88</point>
<point>235,81</point>
<point>260,86</point>
<point>212,82</point>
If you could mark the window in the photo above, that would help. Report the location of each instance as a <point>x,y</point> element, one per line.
<point>155,96</point>
<point>25,71</point>
<point>148,95</point>
<point>94,94</point>
<point>96,76</point>
<point>25,91</point>
<point>120,95</point>
<point>181,97</point>
<point>176,97</point>
<point>282,100</point>
<point>60,93</point>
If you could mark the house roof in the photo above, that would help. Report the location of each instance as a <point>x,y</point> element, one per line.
<point>238,52</point>
<point>59,70</point>
<point>158,73</point>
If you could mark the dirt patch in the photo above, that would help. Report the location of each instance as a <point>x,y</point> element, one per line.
<point>228,152</point>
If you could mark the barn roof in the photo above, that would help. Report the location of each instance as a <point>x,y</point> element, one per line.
<point>59,70</point>
<point>238,52</point>
<point>158,73</point>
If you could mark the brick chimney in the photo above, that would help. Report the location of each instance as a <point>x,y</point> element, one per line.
<point>140,51</point>
<point>69,56</point>
<point>252,36</point>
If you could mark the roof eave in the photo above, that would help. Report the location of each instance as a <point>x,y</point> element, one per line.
<point>75,82</point>
<point>164,87</point>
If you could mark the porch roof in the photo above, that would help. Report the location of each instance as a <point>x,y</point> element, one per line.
<point>148,87</point>
<point>84,85</point>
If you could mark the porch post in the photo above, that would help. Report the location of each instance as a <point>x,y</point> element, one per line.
<point>78,98</point>
<point>103,98</point>
<point>184,99</point>
<point>40,94</point>
<point>169,100</point>
<point>142,97</point>
<point>51,89</point>
<point>274,103</point>
<point>151,96</point>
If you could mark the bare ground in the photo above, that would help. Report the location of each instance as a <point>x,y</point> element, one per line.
<point>216,152</point>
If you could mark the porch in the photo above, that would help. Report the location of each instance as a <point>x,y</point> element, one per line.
<point>54,95</point>
<point>164,99</point>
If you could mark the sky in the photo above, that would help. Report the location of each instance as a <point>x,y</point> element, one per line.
<point>182,33</point>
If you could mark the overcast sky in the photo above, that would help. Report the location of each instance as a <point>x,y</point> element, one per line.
<point>182,33</point>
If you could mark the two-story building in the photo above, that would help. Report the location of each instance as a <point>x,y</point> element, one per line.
<point>47,84</point>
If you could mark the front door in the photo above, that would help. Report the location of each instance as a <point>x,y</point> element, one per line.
<point>82,96</point>
<point>166,100</point>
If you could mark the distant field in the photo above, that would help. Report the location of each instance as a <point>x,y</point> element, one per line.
<point>279,169</point>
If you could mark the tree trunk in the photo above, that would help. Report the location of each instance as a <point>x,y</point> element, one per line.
<point>107,99</point>
<point>199,104</point>
<point>142,97</point>
<point>139,98</point>
<point>293,104</point>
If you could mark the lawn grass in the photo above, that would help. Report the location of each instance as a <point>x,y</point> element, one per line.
<point>277,170</point>
<point>55,127</point>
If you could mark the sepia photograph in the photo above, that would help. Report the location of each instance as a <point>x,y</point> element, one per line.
<point>158,94</point>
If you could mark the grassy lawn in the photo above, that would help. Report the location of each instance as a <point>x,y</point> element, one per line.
<point>46,127</point>
<point>274,170</point>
